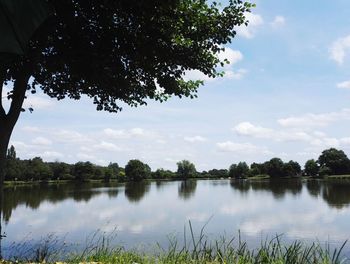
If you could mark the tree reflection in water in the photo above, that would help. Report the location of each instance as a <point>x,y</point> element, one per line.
<point>187,189</point>
<point>135,191</point>
<point>335,192</point>
<point>278,188</point>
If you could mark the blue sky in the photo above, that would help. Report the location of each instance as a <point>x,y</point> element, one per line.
<point>285,94</point>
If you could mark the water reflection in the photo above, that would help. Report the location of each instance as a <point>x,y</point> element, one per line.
<point>149,211</point>
<point>278,188</point>
<point>336,192</point>
<point>187,189</point>
<point>135,191</point>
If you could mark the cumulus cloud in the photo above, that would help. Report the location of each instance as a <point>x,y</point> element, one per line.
<point>233,56</point>
<point>315,120</point>
<point>195,139</point>
<point>41,141</point>
<point>246,148</point>
<point>70,136</point>
<point>279,21</point>
<point>51,155</point>
<point>344,85</point>
<point>124,134</point>
<point>339,49</point>
<point>248,129</point>
<point>235,75</point>
<point>255,21</point>
<point>107,146</point>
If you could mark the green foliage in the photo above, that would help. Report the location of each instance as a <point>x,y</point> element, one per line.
<point>291,169</point>
<point>335,160</point>
<point>215,173</point>
<point>83,170</point>
<point>61,171</point>
<point>274,167</point>
<point>324,171</point>
<point>311,168</point>
<point>11,153</point>
<point>121,50</point>
<point>163,174</point>
<point>136,170</point>
<point>239,170</point>
<point>186,169</point>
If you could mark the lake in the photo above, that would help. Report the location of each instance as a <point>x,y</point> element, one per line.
<point>137,215</point>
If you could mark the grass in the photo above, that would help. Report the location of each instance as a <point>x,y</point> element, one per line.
<point>259,177</point>
<point>196,250</point>
<point>222,252</point>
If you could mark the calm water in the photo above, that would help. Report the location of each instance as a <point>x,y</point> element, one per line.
<point>146,213</point>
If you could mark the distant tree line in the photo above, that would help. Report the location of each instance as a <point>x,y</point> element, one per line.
<point>330,162</point>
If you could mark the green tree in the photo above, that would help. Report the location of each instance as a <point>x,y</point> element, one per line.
<point>37,170</point>
<point>115,170</point>
<point>311,167</point>
<point>221,173</point>
<point>336,160</point>
<point>163,174</point>
<point>11,153</point>
<point>61,171</point>
<point>239,170</point>
<point>186,169</point>
<point>136,170</point>
<point>274,167</point>
<point>119,51</point>
<point>83,170</point>
<point>291,169</point>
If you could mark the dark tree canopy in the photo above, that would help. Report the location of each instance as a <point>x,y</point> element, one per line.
<point>122,50</point>
<point>118,52</point>
<point>186,169</point>
<point>335,160</point>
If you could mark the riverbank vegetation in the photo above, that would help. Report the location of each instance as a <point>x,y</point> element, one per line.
<point>332,163</point>
<point>198,250</point>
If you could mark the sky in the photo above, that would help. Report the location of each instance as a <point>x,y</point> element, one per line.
<point>286,93</point>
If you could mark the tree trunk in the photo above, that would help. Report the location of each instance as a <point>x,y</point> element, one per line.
<point>7,123</point>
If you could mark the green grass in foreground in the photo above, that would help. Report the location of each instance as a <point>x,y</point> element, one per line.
<point>198,251</point>
<point>273,252</point>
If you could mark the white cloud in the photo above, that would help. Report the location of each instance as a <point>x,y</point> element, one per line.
<point>107,146</point>
<point>339,48</point>
<point>248,129</point>
<point>315,120</point>
<point>233,56</point>
<point>70,136</point>
<point>235,75</point>
<point>114,133</point>
<point>278,22</point>
<point>125,134</point>
<point>255,21</point>
<point>246,148</point>
<point>30,129</point>
<point>41,141</point>
<point>38,102</point>
<point>195,139</point>
<point>137,132</point>
<point>51,155</point>
<point>344,85</point>
<point>84,156</point>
